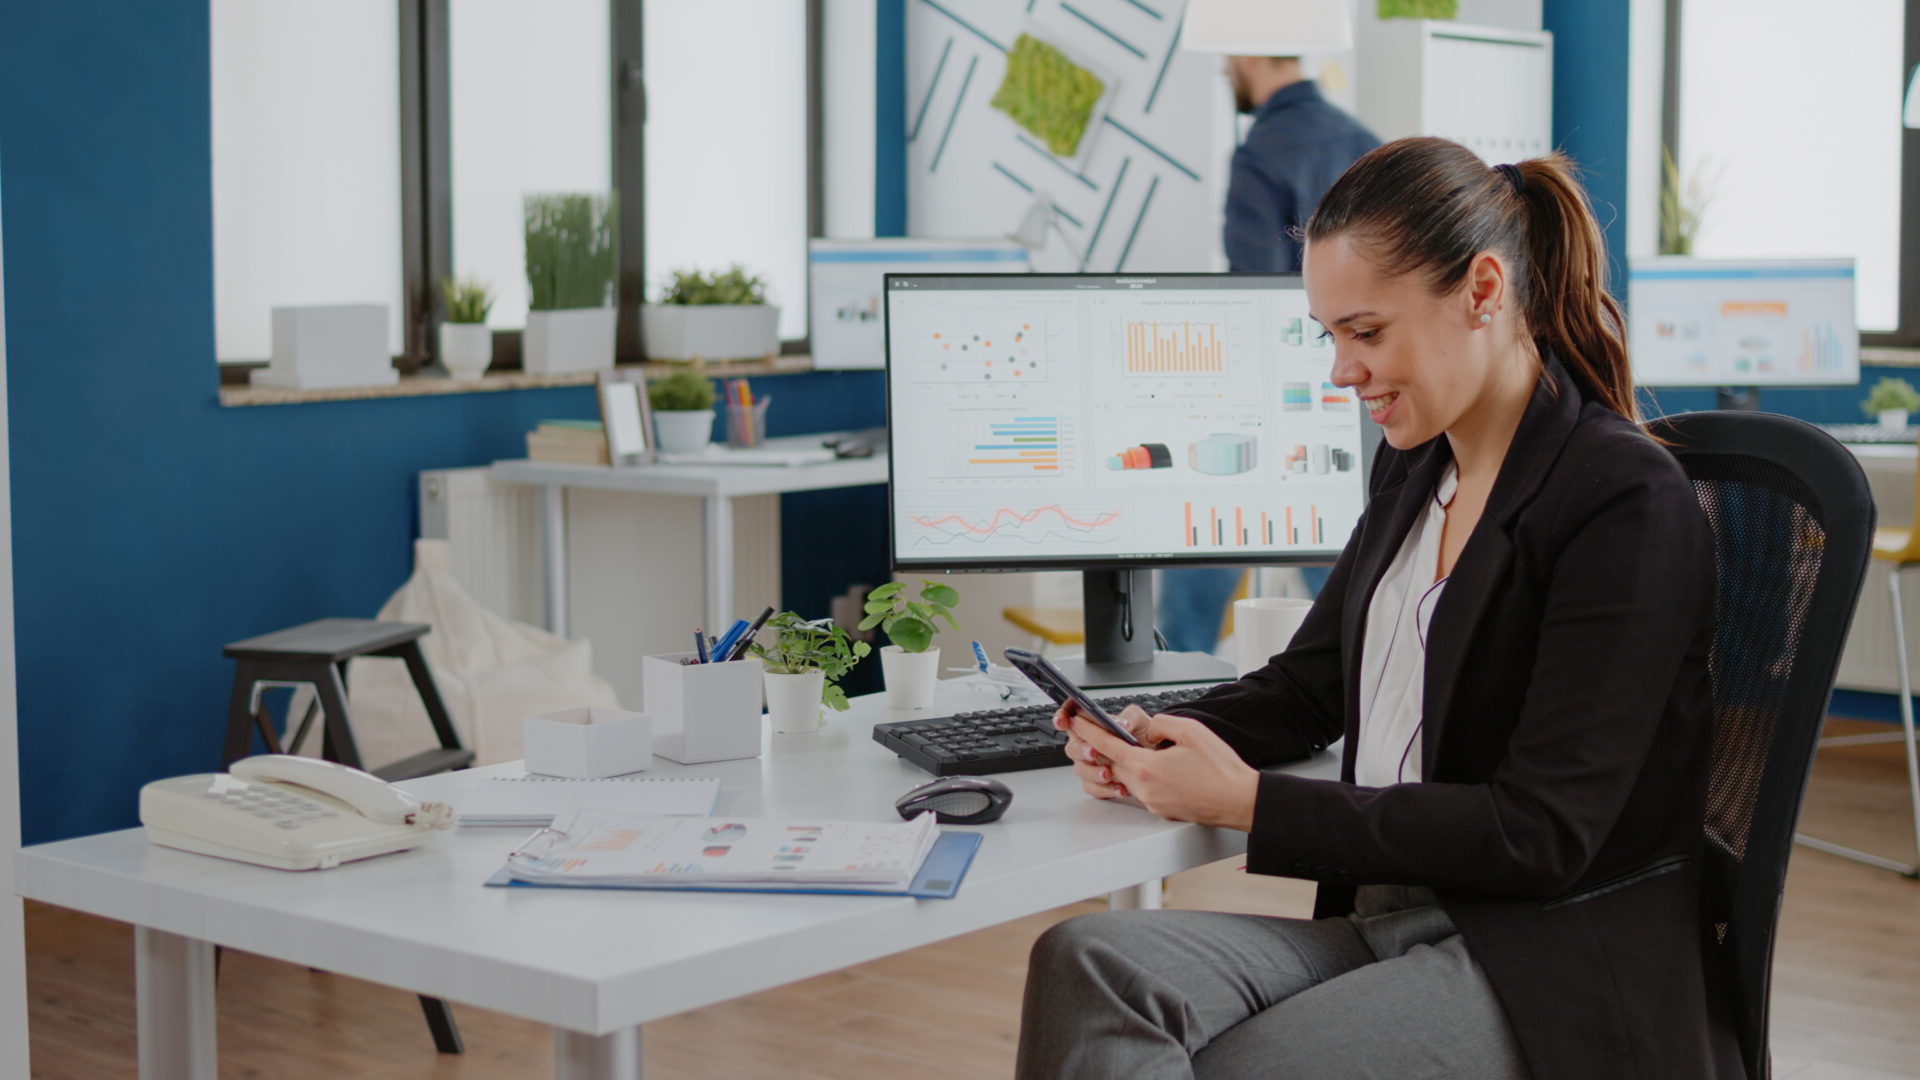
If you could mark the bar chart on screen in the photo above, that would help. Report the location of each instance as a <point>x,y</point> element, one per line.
<point>1175,348</point>
<point>1302,523</point>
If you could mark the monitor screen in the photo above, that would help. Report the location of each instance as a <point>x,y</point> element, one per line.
<point>845,279</point>
<point>1060,421</point>
<point>1744,322</point>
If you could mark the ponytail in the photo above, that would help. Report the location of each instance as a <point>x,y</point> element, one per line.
<point>1430,206</point>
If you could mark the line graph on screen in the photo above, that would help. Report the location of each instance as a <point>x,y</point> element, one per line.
<point>1009,528</point>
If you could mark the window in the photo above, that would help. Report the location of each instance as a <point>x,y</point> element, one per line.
<point>1789,116</point>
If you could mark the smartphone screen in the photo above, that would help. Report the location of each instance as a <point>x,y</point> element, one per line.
<point>1058,687</point>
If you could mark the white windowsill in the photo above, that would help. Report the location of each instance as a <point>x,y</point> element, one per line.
<point>433,381</point>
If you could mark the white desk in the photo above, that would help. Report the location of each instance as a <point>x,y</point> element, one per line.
<point>715,485</point>
<point>597,964</point>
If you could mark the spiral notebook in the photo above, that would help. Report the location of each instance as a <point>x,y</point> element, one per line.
<point>532,801</point>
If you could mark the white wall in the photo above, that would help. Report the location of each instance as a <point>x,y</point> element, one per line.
<point>849,97</point>
<point>13,964</point>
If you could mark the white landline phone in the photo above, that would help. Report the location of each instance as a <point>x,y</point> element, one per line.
<point>288,812</point>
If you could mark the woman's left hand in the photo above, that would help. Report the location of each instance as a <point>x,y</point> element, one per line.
<point>1192,776</point>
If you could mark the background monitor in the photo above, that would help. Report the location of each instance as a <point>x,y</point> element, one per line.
<point>846,277</point>
<point>1110,424</point>
<point>1742,322</point>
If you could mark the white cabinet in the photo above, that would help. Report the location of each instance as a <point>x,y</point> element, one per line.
<point>1488,89</point>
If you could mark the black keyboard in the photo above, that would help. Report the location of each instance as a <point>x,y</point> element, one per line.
<point>1870,433</point>
<point>1003,740</point>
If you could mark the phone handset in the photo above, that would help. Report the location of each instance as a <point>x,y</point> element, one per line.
<point>372,797</point>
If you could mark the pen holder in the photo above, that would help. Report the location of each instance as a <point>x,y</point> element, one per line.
<point>702,712</point>
<point>588,743</point>
<point>747,424</point>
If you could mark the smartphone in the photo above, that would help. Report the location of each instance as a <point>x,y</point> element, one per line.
<point>1061,690</point>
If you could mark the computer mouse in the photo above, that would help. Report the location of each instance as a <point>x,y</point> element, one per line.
<point>957,800</point>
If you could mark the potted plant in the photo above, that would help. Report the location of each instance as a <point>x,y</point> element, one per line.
<point>570,271</point>
<point>912,663</point>
<point>466,345</point>
<point>719,316</point>
<point>682,412</point>
<point>803,670</point>
<point>1890,401</point>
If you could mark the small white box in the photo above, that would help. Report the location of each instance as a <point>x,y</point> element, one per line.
<point>704,712</point>
<point>588,743</point>
<point>329,345</point>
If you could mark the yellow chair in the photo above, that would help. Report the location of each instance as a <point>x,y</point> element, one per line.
<point>1052,625</point>
<point>1901,547</point>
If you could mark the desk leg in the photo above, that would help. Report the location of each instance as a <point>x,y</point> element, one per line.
<point>1142,897</point>
<point>596,1057</point>
<point>553,543</point>
<point>719,565</point>
<point>173,985</point>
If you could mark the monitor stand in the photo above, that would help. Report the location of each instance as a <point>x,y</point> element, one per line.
<point>1738,398</point>
<point>1118,613</point>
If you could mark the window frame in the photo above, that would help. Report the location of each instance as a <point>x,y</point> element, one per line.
<point>1906,335</point>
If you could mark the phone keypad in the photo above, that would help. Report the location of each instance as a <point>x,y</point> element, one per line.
<point>285,809</point>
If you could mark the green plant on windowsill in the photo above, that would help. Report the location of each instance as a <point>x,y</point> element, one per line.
<point>682,391</point>
<point>731,286</point>
<point>468,301</point>
<point>571,260</point>
<point>1891,395</point>
<point>800,646</point>
<point>911,624</point>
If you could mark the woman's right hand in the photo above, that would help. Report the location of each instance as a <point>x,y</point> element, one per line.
<point>1091,766</point>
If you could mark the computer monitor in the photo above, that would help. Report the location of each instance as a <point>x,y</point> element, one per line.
<point>845,279</point>
<point>1112,425</point>
<point>1742,323</point>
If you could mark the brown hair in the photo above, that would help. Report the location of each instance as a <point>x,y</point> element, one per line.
<point>1429,206</point>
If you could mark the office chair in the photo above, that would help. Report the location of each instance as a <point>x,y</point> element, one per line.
<point>1901,547</point>
<point>1793,525</point>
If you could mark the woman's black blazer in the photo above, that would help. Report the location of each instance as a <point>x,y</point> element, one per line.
<point>1567,719</point>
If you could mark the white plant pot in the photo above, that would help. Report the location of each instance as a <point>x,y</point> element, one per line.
<point>793,701</point>
<point>1892,418</point>
<point>560,342</point>
<point>466,349</point>
<point>909,676</point>
<point>683,431</point>
<point>709,331</point>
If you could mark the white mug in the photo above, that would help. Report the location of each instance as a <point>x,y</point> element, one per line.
<point>1263,626</point>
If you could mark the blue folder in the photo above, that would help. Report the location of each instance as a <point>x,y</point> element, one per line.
<point>939,877</point>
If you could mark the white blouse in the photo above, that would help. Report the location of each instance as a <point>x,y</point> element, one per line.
<point>1393,654</point>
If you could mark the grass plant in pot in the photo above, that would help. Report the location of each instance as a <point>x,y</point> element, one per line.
<point>911,665</point>
<point>682,412</point>
<point>1891,402</point>
<point>570,270</point>
<point>466,344</point>
<point>803,670</point>
<point>718,316</point>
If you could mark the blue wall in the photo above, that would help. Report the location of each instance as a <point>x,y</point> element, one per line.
<point>151,526</point>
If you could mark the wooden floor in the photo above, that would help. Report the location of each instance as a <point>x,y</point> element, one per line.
<point>1846,990</point>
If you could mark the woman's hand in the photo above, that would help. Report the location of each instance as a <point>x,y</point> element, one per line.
<point>1192,775</point>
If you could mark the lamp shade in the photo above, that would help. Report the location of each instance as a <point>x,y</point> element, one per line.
<point>1912,116</point>
<point>1267,27</point>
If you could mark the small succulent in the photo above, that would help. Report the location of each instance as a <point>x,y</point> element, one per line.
<point>682,391</point>
<point>468,301</point>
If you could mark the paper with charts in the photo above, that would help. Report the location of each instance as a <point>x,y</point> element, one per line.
<point>600,847</point>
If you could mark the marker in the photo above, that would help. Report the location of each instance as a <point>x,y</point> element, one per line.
<point>746,639</point>
<point>700,645</point>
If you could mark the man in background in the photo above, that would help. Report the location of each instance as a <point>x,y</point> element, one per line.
<point>1298,146</point>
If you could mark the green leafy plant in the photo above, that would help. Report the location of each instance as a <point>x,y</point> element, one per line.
<point>1891,394</point>
<point>1047,94</point>
<point>800,646</point>
<point>1681,209</point>
<point>571,259</point>
<point>730,286</point>
<point>682,391</point>
<point>467,301</point>
<point>910,623</point>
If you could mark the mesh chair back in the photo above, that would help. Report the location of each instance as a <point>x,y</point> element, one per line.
<point>1793,529</point>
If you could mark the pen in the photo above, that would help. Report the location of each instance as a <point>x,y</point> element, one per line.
<point>746,639</point>
<point>724,649</point>
<point>700,644</point>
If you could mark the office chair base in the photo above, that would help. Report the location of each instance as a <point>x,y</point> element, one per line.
<point>1906,870</point>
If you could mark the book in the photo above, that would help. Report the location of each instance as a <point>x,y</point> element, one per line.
<point>607,849</point>
<point>533,801</point>
<point>572,445</point>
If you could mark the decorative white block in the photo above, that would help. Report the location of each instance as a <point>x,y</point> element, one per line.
<point>588,743</point>
<point>709,331</point>
<point>576,339</point>
<point>329,345</point>
<point>703,712</point>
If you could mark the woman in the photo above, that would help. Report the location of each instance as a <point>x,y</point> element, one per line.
<point>1514,647</point>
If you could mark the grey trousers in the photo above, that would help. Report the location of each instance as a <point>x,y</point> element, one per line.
<point>1388,992</point>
